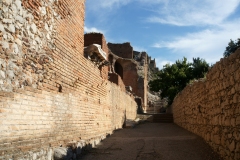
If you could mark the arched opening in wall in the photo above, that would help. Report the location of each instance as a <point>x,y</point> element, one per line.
<point>118,69</point>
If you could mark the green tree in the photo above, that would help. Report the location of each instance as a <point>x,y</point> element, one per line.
<point>232,47</point>
<point>173,78</point>
<point>199,68</point>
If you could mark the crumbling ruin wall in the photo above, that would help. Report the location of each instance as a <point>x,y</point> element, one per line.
<point>124,50</point>
<point>211,108</point>
<point>98,38</point>
<point>134,71</point>
<point>50,94</point>
<point>115,78</point>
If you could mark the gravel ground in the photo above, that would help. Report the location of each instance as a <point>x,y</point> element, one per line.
<point>152,141</point>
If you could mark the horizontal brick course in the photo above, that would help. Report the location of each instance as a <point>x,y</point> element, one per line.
<point>71,101</point>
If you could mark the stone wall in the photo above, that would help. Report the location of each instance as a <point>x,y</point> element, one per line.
<point>115,78</point>
<point>134,72</point>
<point>34,122</point>
<point>28,31</point>
<point>96,38</point>
<point>50,94</point>
<point>211,108</point>
<point>124,50</point>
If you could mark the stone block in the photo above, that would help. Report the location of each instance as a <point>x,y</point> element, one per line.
<point>236,135</point>
<point>11,28</point>
<point>232,146</point>
<point>19,19</point>
<point>33,28</point>
<point>18,4</point>
<point>237,155</point>
<point>1,27</point>
<point>5,45</point>
<point>2,75</point>
<point>227,122</point>
<point>7,21</point>
<point>237,150</point>
<point>217,139</point>
<point>223,140</point>
<point>238,120</point>
<point>7,2</point>
<point>233,122</point>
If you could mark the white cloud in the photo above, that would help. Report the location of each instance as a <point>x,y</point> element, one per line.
<point>93,29</point>
<point>139,49</point>
<point>106,4</point>
<point>154,2</point>
<point>192,13</point>
<point>161,62</point>
<point>208,44</point>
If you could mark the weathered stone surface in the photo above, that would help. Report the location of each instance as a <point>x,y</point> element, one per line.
<point>2,75</point>
<point>18,3</point>
<point>237,155</point>
<point>8,21</point>
<point>18,41</point>
<point>1,27</point>
<point>11,28</point>
<point>51,94</point>
<point>238,120</point>
<point>33,28</point>
<point>5,45</point>
<point>19,19</point>
<point>7,2</point>
<point>60,153</point>
<point>232,146</point>
<point>10,74</point>
<point>219,96</point>
<point>217,139</point>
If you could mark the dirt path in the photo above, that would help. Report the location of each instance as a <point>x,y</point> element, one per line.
<point>152,141</point>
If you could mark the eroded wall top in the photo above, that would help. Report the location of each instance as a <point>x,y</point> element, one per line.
<point>124,50</point>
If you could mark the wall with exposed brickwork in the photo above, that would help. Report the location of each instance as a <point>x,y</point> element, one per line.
<point>134,72</point>
<point>33,122</point>
<point>124,50</point>
<point>51,95</point>
<point>115,78</point>
<point>96,38</point>
<point>211,108</point>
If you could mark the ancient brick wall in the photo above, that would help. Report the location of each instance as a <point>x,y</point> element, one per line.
<point>51,95</point>
<point>115,78</point>
<point>33,122</point>
<point>124,50</point>
<point>96,38</point>
<point>211,108</point>
<point>133,67</point>
<point>130,75</point>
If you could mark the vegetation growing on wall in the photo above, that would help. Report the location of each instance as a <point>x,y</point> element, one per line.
<point>173,78</point>
<point>232,47</point>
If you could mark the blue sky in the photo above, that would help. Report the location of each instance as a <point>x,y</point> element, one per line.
<point>167,30</point>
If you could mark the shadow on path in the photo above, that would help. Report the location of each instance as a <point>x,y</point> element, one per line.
<point>152,141</point>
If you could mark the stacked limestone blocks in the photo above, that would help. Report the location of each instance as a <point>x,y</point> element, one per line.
<point>211,107</point>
